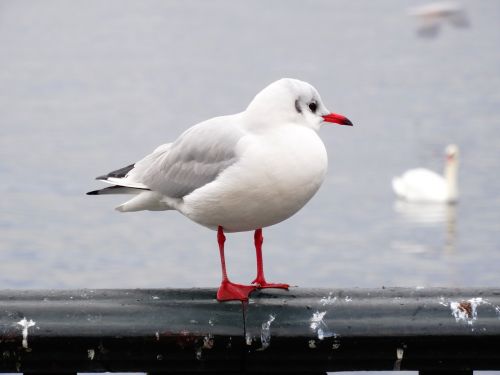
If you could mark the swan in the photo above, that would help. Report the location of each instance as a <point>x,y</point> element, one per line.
<point>424,185</point>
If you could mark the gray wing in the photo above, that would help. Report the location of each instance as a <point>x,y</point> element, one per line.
<point>196,158</point>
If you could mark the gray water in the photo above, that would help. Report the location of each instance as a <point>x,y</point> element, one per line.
<point>88,87</point>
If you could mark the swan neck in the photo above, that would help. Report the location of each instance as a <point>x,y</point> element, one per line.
<point>451,177</point>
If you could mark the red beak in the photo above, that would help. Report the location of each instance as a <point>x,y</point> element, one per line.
<point>337,119</point>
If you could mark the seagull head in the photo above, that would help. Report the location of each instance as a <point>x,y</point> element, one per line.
<point>290,100</point>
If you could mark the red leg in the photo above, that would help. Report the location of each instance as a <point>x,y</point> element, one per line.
<point>229,291</point>
<point>260,280</point>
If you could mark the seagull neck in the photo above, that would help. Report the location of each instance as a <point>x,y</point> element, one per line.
<point>259,117</point>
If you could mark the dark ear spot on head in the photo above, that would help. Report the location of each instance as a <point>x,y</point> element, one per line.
<point>297,106</point>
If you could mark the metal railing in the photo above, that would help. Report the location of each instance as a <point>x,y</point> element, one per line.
<point>301,331</point>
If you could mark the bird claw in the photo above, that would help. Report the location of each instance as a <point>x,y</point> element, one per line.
<point>229,291</point>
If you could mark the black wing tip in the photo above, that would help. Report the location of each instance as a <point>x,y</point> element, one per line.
<point>119,173</point>
<point>93,192</point>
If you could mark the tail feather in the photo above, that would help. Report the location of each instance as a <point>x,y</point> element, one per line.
<point>146,200</point>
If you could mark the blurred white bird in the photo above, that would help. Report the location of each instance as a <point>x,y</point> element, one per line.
<point>237,173</point>
<point>423,185</point>
<point>432,16</point>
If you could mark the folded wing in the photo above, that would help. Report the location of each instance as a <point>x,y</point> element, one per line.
<point>176,169</point>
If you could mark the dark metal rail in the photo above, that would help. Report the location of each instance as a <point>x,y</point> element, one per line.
<point>303,330</point>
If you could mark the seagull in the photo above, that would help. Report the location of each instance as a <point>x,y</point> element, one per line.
<point>236,173</point>
<point>432,16</point>
<point>424,185</point>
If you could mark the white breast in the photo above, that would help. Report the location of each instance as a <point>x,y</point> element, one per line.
<point>277,173</point>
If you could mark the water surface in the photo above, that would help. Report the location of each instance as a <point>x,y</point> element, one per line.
<point>88,87</point>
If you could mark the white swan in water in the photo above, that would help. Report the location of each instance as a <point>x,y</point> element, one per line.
<point>423,185</point>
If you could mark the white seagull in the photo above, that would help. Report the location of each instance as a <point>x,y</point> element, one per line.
<point>423,185</point>
<point>237,173</point>
<point>432,16</point>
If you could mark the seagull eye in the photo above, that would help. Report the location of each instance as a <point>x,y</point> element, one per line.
<point>313,106</point>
